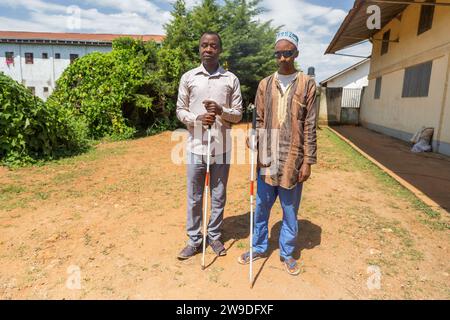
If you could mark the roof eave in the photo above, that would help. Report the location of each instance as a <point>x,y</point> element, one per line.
<point>356,7</point>
<point>344,71</point>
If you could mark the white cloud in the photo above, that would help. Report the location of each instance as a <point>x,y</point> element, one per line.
<point>192,3</point>
<point>135,16</point>
<point>140,7</point>
<point>314,24</point>
<point>35,5</point>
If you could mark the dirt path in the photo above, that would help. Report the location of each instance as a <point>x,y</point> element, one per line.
<point>429,172</point>
<point>117,215</point>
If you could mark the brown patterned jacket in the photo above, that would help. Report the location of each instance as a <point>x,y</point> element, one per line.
<point>283,148</point>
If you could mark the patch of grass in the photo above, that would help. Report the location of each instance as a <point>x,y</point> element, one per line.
<point>13,204</point>
<point>11,189</point>
<point>42,195</point>
<point>21,250</point>
<point>415,255</point>
<point>405,249</point>
<point>214,277</point>
<point>87,239</point>
<point>93,154</point>
<point>241,245</point>
<point>76,216</point>
<point>72,174</point>
<point>10,196</point>
<point>215,274</point>
<point>136,233</point>
<point>436,225</point>
<point>382,262</point>
<point>110,290</point>
<point>74,193</point>
<point>107,250</point>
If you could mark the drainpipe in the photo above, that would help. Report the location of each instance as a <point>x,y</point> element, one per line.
<point>20,64</point>
<point>53,67</point>
<point>444,100</point>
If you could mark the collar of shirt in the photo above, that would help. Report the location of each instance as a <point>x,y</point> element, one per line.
<point>219,72</point>
<point>282,89</point>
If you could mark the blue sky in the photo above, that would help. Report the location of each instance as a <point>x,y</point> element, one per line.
<point>314,21</point>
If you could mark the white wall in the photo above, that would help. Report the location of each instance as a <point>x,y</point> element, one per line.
<point>400,116</point>
<point>43,72</point>
<point>353,79</point>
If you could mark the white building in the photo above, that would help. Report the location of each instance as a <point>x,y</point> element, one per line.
<point>341,94</point>
<point>38,59</point>
<point>354,77</point>
<point>409,77</point>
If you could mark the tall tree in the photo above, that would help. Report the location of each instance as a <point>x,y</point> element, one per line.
<point>247,42</point>
<point>179,32</point>
<point>206,17</point>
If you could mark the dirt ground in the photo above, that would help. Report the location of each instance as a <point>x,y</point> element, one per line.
<point>115,218</point>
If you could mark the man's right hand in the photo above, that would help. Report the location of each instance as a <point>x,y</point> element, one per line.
<point>207,119</point>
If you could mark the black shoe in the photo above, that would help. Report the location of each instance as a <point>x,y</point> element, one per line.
<point>217,247</point>
<point>188,252</point>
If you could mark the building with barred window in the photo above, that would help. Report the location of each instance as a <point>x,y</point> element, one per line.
<point>37,59</point>
<point>410,66</point>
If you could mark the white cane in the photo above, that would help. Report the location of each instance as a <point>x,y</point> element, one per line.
<point>252,188</point>
<point>205,209</point>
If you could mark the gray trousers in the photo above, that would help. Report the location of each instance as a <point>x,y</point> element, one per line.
<point>196,172</point>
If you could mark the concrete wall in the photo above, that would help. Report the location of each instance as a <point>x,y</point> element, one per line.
<point>443,144</point>
<point>43,72</point>
<point>402,117</point>
<point>352,79</point>
<point>349,116</point>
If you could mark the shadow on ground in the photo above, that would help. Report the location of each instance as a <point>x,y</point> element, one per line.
<point>309,236</point>
<point>236,228</point>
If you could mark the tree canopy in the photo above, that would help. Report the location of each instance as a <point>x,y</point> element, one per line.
<point>247,42</point>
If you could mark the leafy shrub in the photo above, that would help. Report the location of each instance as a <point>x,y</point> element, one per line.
<point>121,92</point>
<point>31,130</point>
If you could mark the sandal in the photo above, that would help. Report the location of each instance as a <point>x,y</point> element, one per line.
<point>245,257</point>
<point>291,266</point>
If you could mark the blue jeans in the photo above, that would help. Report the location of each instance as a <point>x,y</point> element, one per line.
<point>290,202</point>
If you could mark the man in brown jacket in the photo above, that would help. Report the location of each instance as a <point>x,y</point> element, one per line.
<point>286,124</point>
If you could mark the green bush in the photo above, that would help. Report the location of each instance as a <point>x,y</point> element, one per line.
<point>94,89</point>
<point>121,92</point>
<point>31,130</point>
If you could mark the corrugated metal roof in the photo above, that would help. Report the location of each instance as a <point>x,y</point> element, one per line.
<point>354,28</point>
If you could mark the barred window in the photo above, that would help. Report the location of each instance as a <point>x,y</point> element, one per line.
<point>73,57</point>
<point>378,88</point>
<point>29,59</point>
<point>416,82</point>
<point>385,44</point>
<point>426,17</point>
<point>9,57</point>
